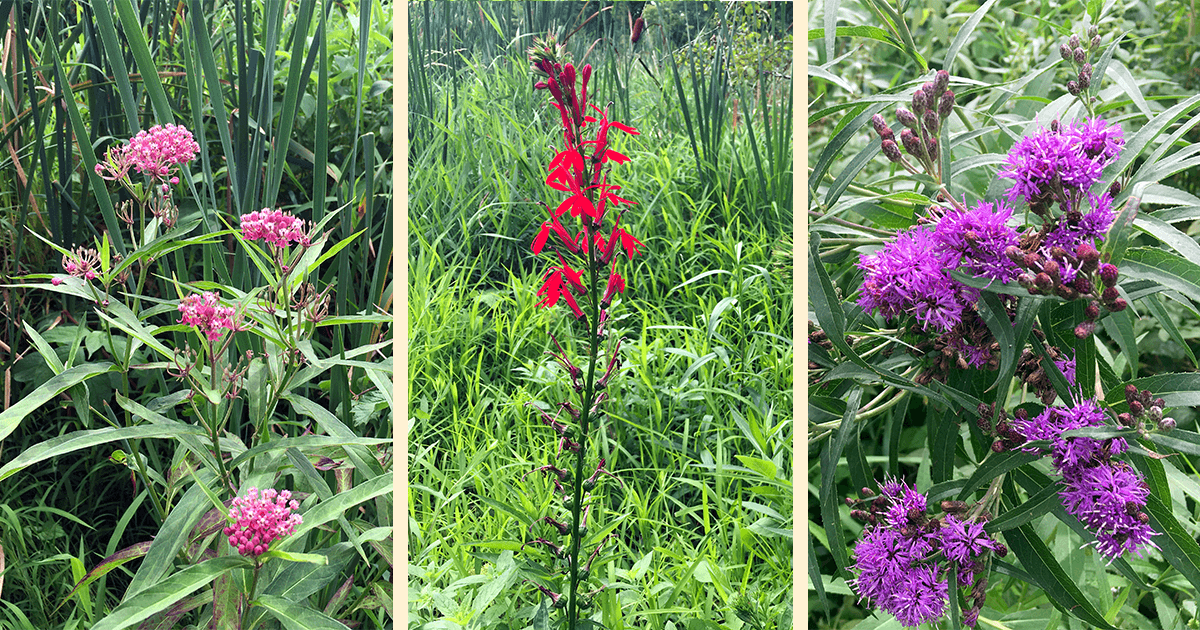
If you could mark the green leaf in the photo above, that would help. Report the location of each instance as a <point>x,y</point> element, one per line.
<point>1177,390</point>
<point>108,564</point>
<point>330,510</point>
<point>1048,575</point>
<point>830,456</point>
<point>1165,268</point>
<point>1168,324</point>
<point>164,593</point>
<point>1176,544</point>
<point>298,580</point>
<point>11,418</point>
<point>298,617</point>
<point>993,466</point>
<point>963,33</point>
<point>1041,502</point>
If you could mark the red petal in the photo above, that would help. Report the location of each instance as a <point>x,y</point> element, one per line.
<point>539,241</point>
<point>614,156</point>
<point>626,128</point>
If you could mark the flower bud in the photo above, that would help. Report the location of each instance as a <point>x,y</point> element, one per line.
<point>918,101</point>
<point>879,124</point>
<point>906,118</point>
<point>1014,253</point>
<point>1058,253</point>
<point>892,151</point>
<point>1109,295</point>
<point>1065,292</point>
<point>946,105</point>
<point>1082,284</point>
<point>1136,408</point>
<point>1052,269</point>
<point>1085,70</point>
<point>1025,280</point>
<point>1073,41</point>
<point>911,143</point>
<point>1158,402</point>
<point>1093,31</point>
<point>1156,414</point>
<point>1117,306</point>
<point>1073,88</point>
<point>1065,51</point>
<point>1080,55</point>
<point>930,119</point>
<point>933,149</point>
<point>1085,330</point>
<point>1021,414</point>
<point>1043,281</point>
<point>998,446</point>
<point>1095,42</point>
<point>1108,275</point>
<point>1166,424</point>
<point>1115,189</point>
<point>1032,260</point>
<point>941,81</point>
<point>1131,392</point>
<point>1092,311</point>
<point>1085,79</point>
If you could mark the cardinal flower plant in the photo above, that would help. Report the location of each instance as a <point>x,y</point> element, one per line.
<point>585,241</point>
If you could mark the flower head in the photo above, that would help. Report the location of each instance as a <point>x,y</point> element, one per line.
<point>274,226</point>
<point>911,275</point>
<point>260,520</point>
<point>154,152</point>
<point>82,263</point>
<point>204,311</point>
<point>980,236</point>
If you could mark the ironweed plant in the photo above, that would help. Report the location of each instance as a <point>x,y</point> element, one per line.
<point>593,247</point>
<point>994,301</point>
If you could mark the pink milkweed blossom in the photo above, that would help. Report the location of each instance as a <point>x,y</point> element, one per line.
<point>274,226</point>
<point>82,263</point>
<point>260,520</point>
<point>205,312</point>
<point>152,152</point>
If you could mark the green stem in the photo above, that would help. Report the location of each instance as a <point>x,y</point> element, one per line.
<point>250,593</point>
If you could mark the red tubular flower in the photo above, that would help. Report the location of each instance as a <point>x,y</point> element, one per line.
<point>553,288</point>
<point>616,284</point>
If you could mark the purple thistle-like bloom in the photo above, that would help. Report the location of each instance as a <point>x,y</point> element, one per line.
<point>911,276</point>
<point>962,540</point>
<point>1107,496</point>
<point>980,236</point>
<point>1060,163</point>
<point>1067,367</point>
<point>918,598</point>
<point>1091,228</point>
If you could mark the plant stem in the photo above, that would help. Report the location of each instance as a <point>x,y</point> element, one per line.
<point>586,402</point>
<point>250,593</point>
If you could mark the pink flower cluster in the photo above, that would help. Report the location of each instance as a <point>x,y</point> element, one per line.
<point>205,311</point>
<point>153,152</point>
<point>81,263</point>
<point>259,520</point>
<point>274,226</point>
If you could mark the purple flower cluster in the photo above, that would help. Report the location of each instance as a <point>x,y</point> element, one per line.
<point>980,236</point>
<point>1107,496</point>
<point>911,275</point>
<point>896,562</point>
<point>258,520</point>
<point>1076,228</point>
<point>1061,161</point>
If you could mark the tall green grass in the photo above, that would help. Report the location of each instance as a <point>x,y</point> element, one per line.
<point>700,426</point>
